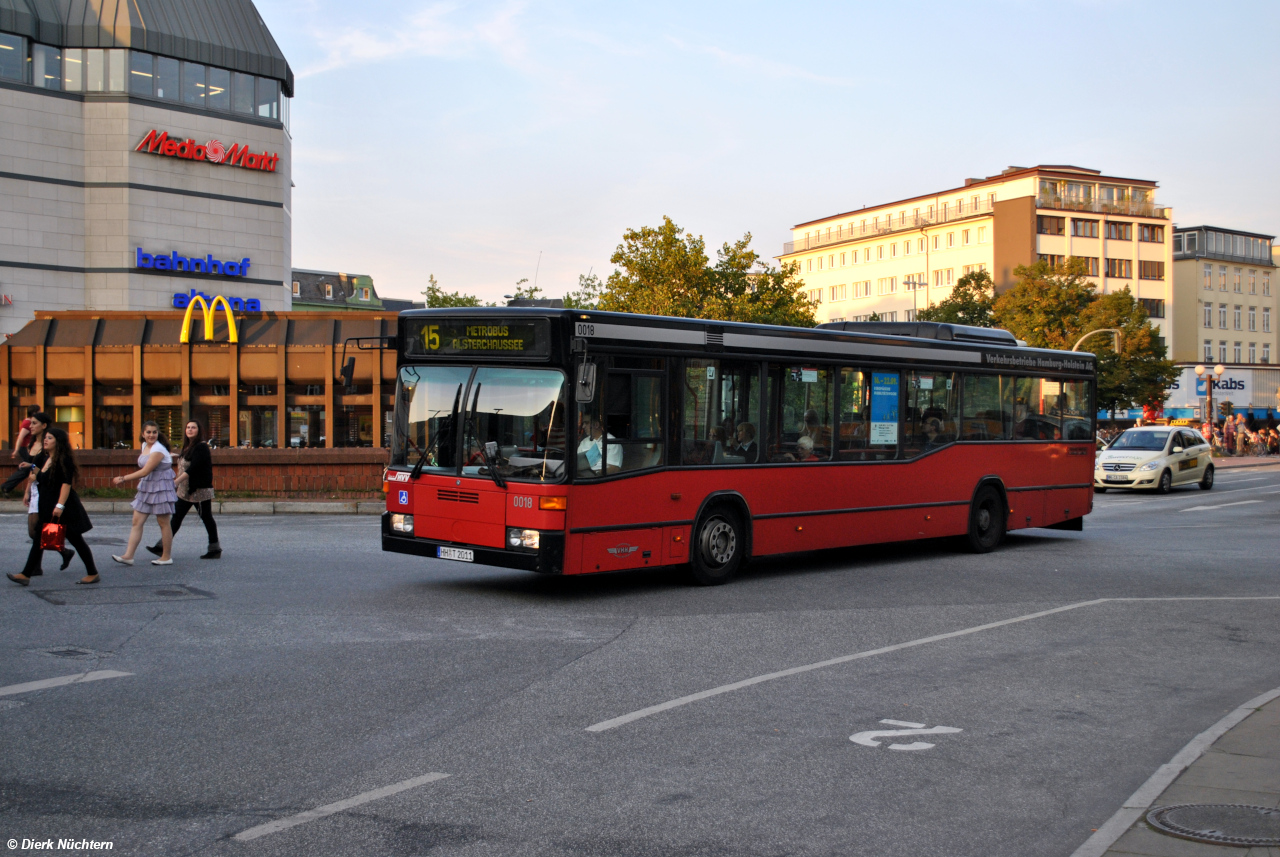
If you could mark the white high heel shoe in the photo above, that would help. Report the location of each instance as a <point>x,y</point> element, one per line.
<point>122,560</point>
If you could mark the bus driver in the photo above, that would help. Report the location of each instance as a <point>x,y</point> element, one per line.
<point>591,446</point>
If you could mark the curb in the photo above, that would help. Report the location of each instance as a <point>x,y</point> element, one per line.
<point>234,507</point>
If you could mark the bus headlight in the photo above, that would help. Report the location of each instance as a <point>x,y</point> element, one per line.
<point>402,524</point>
<point>527,539</point>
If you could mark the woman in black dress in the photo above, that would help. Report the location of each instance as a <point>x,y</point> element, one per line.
<point>58,503</point>
<point>194,484</point>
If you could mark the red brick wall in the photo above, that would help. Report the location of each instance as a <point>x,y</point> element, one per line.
<point>350,473</point>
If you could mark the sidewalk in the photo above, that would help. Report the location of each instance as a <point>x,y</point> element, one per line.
<point>236,507</point>
<point>1247,461</point>
<point>1240,767</point>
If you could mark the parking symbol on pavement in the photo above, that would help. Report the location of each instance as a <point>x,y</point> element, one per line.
<point>404,498</point>
<point>868,739</point>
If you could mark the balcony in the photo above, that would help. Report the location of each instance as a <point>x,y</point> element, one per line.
<point>1132,208</point>
<point>890,225</point>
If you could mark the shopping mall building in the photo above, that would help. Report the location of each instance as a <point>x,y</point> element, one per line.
<point>144,153</point>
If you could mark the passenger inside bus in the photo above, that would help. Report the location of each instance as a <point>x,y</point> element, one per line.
<point>746,443</point>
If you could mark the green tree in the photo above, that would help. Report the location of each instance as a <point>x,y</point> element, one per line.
<point>1044,306</point>
<point>1140,374</point>
<point>970,302</point>
<point>438,297</point>
<point>587,295</point>
<point>665,271</point>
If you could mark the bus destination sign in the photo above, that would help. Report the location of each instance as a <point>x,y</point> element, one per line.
<point>488,337</point>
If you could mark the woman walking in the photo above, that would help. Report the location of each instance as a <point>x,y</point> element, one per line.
<point>155,495</point>
<point>59,504</point>
<point>194,484</point>
<point>35,458</point>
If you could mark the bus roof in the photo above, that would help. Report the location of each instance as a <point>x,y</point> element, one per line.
<point>914,341</point>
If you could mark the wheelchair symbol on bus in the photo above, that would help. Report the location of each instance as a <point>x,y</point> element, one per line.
<point>404,498</point>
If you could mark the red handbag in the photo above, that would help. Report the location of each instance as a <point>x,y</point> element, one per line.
<point>53,537</point>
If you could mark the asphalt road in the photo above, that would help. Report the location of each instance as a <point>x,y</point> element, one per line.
<point>307,669</point>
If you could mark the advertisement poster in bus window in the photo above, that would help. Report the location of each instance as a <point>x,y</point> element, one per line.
<point>884,408</point>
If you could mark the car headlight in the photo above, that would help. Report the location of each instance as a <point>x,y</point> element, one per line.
<point>1150,465</point>
<point>402,524</point>
<point>527,539</point>
<point>1097,465</point>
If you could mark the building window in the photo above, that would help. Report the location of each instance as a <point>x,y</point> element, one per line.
<point>1208,351</point>
<point>1090,264</point>
<point>13,56</point>
<point>1266,319</point>
<point>991,199</point>
<point>1120,268</point>
<point>1222,316</point>
<point>815,295</point>
<point>1084,228</point>
<point>1253,352</point>
<point>842,261</point>
<point>889,316</point>
<point>1208,276</point>
<point>1222,278</point>
<point>808,265</point>
<point>1222,351</point>
<point>364,294</point>
<point>1153,306</point>
<point>1153,234</point>
<point>1177,243</point>
<point>862,289</point>
<point>1208,316</point>
<point>1253,282</point>
<point>1253,319</point>
<point>982,235</point>
<point>1151,270</point>
<point>887,285</point>
<point>951,240</point>
<point>831,260</point>
<point>297,288</point>
<point>880,252</point>
<point>935,242</point>
<point>920,245</point>
<point>964,235</point>
<point>837,292</point>
<point>1054,261</point>
<point>909,315</point>
<point>820,261</point>
<point>1235,353</point>
<point>1046,225</point>
<point>328,291</point>
<point>1236,315</point>
<point>1119,231</point>
<point>893,250</point>
<point>1266,285</point>
<point>1266,352</point>
<point>906,247</point>
<point>1190,240</point>
<point>1236,278</point>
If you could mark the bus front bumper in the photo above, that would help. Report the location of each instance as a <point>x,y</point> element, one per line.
<point>549,559</point>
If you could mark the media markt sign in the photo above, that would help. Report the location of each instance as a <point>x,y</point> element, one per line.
<point>160,143</point>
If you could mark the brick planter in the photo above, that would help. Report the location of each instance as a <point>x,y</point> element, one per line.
<point>353,473</point>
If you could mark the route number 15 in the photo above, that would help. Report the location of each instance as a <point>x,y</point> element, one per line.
<point>431,337</point>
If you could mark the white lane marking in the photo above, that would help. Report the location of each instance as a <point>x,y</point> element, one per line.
<point>905,723</point>
<point>1238,481</point>
<point>1121,505</point>
<point>868,739</point>
<point>1221,505</point>
<point>78,678</point>
<point>624,719</point>
<point>332,808</point>
<point>615,722</point>
<point>1140,801</point>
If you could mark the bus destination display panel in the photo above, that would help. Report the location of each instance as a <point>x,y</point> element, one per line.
<point>482,337</point>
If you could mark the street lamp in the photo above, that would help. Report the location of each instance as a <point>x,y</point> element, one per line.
<point>1112,330</point>
<point>1210,376</point>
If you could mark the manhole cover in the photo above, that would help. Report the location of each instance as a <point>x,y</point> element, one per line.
<point>89,595</point>
<point>1219,823</point>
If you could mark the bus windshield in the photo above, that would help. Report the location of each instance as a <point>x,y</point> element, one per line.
<point>447,414</point>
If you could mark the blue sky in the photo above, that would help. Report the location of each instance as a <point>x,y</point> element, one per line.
<point>465,139</point>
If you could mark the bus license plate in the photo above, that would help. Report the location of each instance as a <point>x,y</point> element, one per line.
<point>460,554</point>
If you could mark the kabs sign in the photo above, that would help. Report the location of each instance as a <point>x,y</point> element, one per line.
<point>158,143</point>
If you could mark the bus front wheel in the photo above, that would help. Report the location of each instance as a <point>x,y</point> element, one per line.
<point>718,548</point>
<point>986,520</point>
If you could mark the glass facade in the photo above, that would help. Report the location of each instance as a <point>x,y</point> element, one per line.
<point>141,74</point>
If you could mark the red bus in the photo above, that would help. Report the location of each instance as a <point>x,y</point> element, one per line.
<point>569,442</point>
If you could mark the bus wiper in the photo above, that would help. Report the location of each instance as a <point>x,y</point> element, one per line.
<point>453,414</point>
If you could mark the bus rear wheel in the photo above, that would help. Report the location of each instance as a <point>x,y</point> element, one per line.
<point>718,548</point>
<point>986,520</point>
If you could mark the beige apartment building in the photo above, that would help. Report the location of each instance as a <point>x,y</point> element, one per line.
<point>897,258</point>
<point>1224,309</point>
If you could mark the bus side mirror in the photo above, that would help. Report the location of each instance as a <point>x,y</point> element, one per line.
<point>349,374</point>
<point>585,388</point>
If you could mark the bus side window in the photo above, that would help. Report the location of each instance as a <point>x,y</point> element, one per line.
<point>1029,417</point>
<point>986,410</point>
<point>634,414</point>
<point>801,413</point>
<point>930,411</point>
<point>719,397</point>
<point>854,415</point>
<point>884,412</point>
<point>1077,415</point>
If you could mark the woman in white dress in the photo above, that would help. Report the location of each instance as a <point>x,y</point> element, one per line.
<point>156,494</point>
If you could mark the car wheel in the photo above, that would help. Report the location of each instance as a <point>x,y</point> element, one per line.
<point>718,548</point>
<point>1099,490</point>
<point>986,520</point>
<point>1165,485</point>
<point>1206,481</point>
